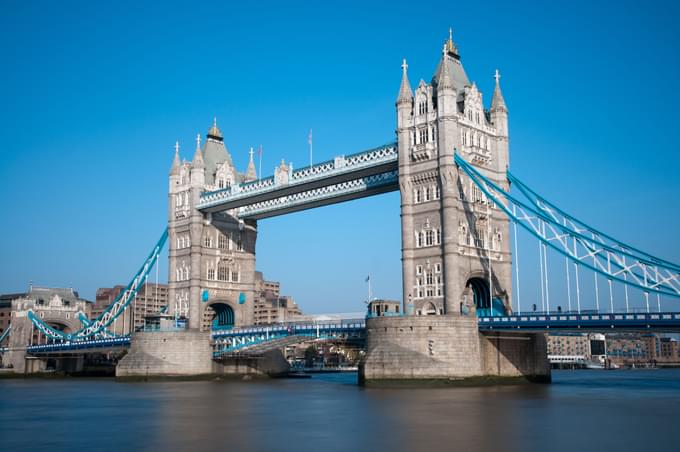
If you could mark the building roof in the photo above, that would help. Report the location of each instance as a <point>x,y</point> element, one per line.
<point>454,68</point>
<point>215,153</point>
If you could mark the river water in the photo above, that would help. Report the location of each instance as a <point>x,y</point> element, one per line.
<point>633,410</point>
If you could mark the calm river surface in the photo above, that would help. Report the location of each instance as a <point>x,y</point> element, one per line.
<point>637,410</point>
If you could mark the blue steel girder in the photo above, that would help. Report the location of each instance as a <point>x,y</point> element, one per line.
<point>83,346</point>
<point>584,322</point>
<point>360,166</point>
<point>98,326</point>
<point>582,245</point>
<point>322,196</point>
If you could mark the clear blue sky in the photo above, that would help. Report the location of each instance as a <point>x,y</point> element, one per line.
<point>93,96</point>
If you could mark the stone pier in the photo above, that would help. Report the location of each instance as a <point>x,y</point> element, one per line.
<point>449,348</point>
<point>189,354</point>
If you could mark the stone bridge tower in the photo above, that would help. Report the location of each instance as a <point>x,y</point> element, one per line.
<point>455,247</point>
<point>211,259</point>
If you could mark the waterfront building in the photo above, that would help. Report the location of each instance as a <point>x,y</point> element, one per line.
<point>569,344</point>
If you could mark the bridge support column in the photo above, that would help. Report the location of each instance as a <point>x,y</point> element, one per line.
<point>19,339</point>
<point>449,348</point>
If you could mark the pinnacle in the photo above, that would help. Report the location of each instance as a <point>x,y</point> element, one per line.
<point>405,93</point>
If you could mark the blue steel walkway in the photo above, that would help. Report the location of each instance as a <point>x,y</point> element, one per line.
<point>656,322</point>
<point>232,340</point>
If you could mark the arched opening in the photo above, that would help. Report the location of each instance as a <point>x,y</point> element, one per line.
<point>429,309</point>
<point>220,316</point>
<point>59,326</point>
<point>482,298</point>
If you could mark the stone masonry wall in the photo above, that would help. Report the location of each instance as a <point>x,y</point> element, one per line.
<point>449,347</point>
<point>180,353</point>
<point>508,354</point>
<point>427,347</point>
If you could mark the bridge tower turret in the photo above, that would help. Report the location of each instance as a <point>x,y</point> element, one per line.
<point>404,134</point>
<point>455,252</point>
<point>211,257</point>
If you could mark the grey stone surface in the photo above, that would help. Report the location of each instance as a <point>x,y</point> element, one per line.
<point>181,353</point>
<point>449,347</point>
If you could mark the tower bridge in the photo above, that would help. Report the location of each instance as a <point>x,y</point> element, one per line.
<point>461,210</point>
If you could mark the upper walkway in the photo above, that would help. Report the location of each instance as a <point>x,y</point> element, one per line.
<point>344,178</point>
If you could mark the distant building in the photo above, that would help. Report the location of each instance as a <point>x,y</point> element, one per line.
<point>628,349</point>
<point>270,306</point>
<point>569,344</point>
<point>668,349</point>
<point>60,308</point>
<point>151,299</point>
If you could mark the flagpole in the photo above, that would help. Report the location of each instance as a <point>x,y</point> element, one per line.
<point>260,161</point>
<point>310,148</point>
<point>370,295</point>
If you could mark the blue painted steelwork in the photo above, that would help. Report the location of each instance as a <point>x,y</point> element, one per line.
<point>224,316</point>
<point>555,212</point>
<point>5,333</point>
<point>114,310</point>
<point>543,322</point>
<point>343,178</point>
<point>122,341</point>
<point>582,246</point>
<point>324,195</point>
<point>87,322</point>
<point>228,341</point>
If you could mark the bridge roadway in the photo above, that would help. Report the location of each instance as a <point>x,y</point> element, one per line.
<point>243,338</point>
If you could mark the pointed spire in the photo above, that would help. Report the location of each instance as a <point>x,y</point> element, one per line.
<point>497,102</point>
<point>198,155</point>
<point>444,79</point>
<point>251,174</point>
<point>176,162</point>
<point>450,46</point>
<point>215,132</point>
<point>405,93</point>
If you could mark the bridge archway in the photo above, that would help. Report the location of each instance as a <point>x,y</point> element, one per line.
<point>219,315</point>
<point>480,292</point>
<point>62,325</point>
<point>482,298</point>
<point>429,309</point>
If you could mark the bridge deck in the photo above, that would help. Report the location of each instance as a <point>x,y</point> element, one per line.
<point>620,322</point>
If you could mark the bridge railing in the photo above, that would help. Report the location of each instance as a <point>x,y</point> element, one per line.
<point>320,194</point>
<point>292,327</point>
<point>552,320</point>
<point>121,341</point>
